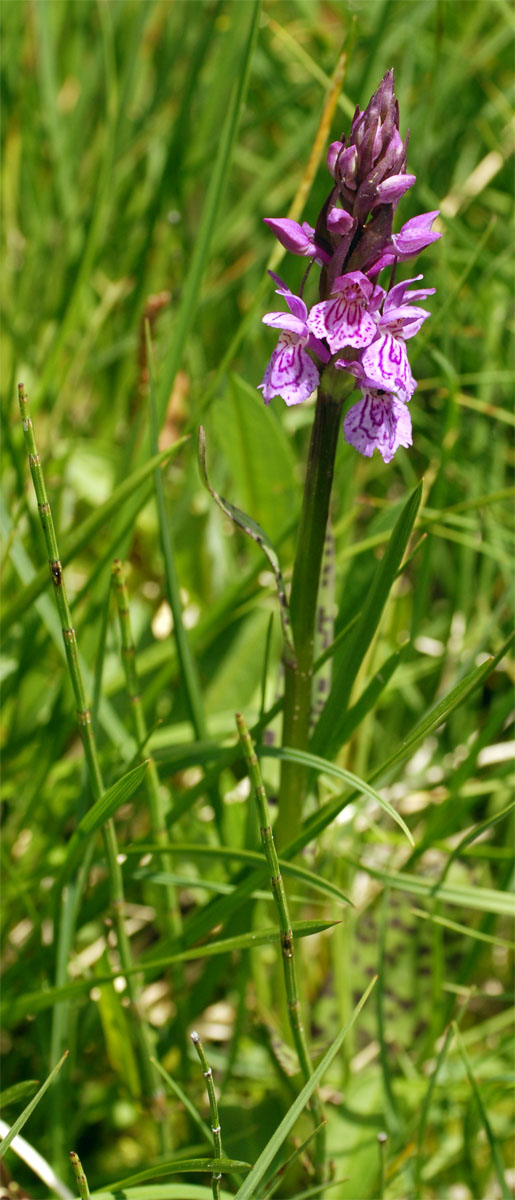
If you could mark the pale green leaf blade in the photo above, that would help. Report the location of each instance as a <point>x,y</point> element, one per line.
<point>176,1166</point>
<point>253,530</point>
<point>24,1116</point>
<point>327,735</point>
<point>323,767</point>
<point>248,1189</point>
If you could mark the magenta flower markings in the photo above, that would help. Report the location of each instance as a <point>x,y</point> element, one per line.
<point>357,326</point>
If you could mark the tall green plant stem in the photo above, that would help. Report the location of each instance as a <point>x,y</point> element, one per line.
<point>286,935</point>
<point>151,1084</point>
<point>304,598</point>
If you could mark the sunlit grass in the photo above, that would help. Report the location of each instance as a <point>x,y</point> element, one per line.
<point>143,143</point>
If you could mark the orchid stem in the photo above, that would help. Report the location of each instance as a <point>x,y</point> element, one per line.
<point>303,602</point>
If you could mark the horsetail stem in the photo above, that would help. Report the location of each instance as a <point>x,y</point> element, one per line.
<point>82,1182</point>
<point>216,1128</point>
<point>285,930</point>
<point>151,1083</point>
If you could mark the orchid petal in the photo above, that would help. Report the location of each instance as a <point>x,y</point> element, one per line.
<point>378,422</point>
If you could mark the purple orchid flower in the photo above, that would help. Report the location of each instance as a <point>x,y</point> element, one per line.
<point>346,319</point>
<point>291,373</point>
<point>385,360</point>
<point>298,239</point>
<point>413,237</point>
<point>379,421</point>
<point>355,318</point>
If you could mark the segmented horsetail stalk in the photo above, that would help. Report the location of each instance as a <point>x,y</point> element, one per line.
<point>216,1128</point>
<point>82,1182</point>
<point>286,935</point>
<point>151,1082</point>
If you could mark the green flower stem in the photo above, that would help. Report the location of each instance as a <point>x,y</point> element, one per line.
<point>281,903</point>
<point>151,1083</point>
<point>304,598</point>
<point>216,1128</point>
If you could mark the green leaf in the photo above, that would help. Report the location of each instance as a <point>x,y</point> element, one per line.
<point>116,1029</point>
<point>471,836</point>
<point>327,737</point>
<point>464,930</point>
<point>34,1002</point>
<point>17,1092</point>
<point>492,1140</point>
<point>99,813</point>
<point>176,1166</point>
<point>24,1116</point>
<point>258,453</point>
<point>251,858</point>
<point>443,709</point>
<point>73,542</point>
<point>322,766</point>
<point>248,1189</point>
<point>163,1191</point>
<point>242,941</point>
<point>488,900</point>
<point>251,527</point>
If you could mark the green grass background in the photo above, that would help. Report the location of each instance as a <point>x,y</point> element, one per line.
<point>140,154</point>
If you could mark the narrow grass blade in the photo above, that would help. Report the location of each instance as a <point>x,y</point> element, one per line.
<point>464,930</point>
<point>184,1099</point>
<point>278,1176</point>
<point>72,543</point>
<point>327,735</point>
<point>492,1140</point>
<point>443,710</point>
<point>248,1189</point>
<point>163,1191</point>
<point>17,1092</point>
<point>322,766</point>
<point>442,1054</point>
<point>38,1165</point>
<point>489,900</point>
<point>24,1116</point>
<point>34,1002</point>
<point>390,1102</point>
<point>471,837</point>
<point>250,858</point>
<point>187,663</point>
<point>241,941</point>
<point>99,813</point>
<point>178,1166</point>
<point>251,527</point>
<point>370,695</point>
